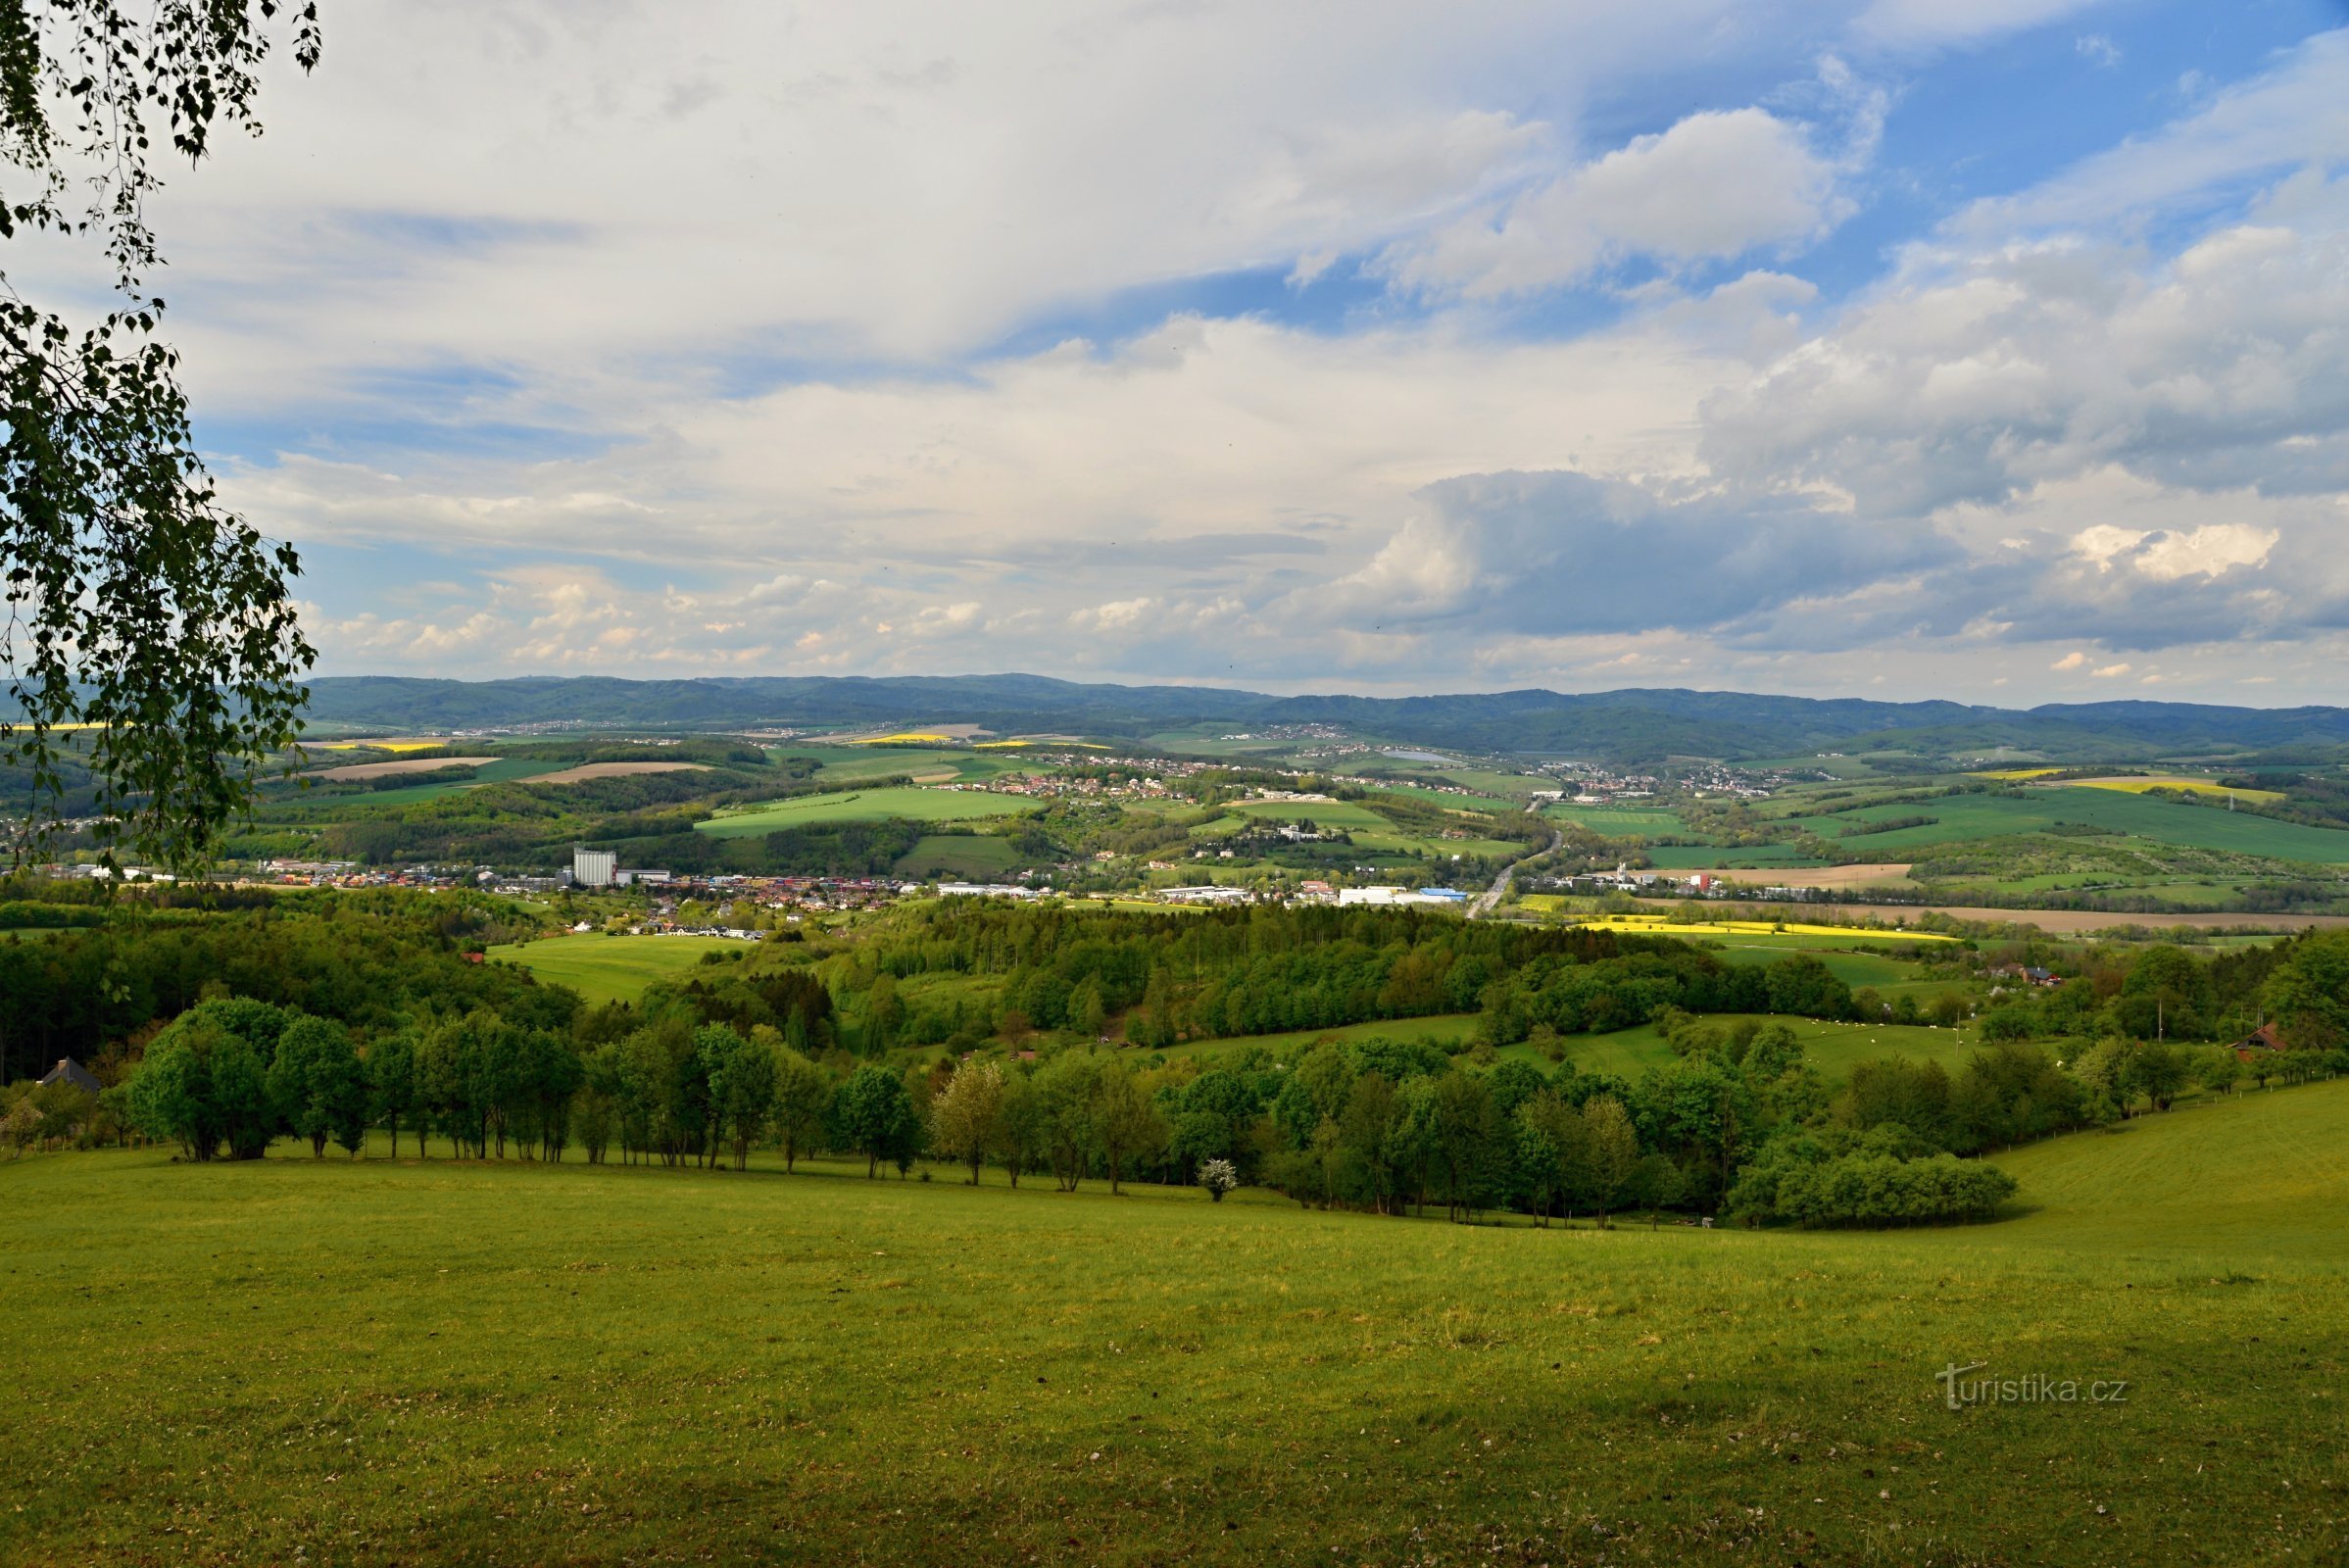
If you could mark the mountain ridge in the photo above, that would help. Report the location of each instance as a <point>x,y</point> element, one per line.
<point>1630,724</point>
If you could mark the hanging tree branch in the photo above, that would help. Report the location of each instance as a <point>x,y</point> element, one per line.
<point>150,638</point>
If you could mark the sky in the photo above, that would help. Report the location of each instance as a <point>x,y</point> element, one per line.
<point>1994,350</point>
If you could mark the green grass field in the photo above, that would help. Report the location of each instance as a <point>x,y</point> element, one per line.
<point>1324,813</point>
<point>910,801</point>
<point>425,1361</point>
<point>1618,821</point>
<point>959,855</point>
<point>1964,817</point>
<point>1709,858</point>
<point>605,968</point>
<point>1462,803</point>
<point>1832,1048</point>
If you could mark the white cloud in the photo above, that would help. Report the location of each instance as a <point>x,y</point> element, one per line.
<point>1717,184</point>
<point>710,340</point>
<point>1914,23</point>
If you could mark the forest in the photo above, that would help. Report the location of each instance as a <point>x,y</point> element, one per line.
<point>331,1019</point>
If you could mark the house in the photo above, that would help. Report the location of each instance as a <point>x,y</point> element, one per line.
<point>69,1071</point>
<point>2264,1037</point>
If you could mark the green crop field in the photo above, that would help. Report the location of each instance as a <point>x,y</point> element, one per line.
<point>1323,814</point>
<point>1854,969</point>
<point>1465,802</point>
<point>1978,816</point>
<point>1618,821</point>
<point>428,1361</point>
<point>910,801</point>
<point>959,855</point>
<point>604,968</point>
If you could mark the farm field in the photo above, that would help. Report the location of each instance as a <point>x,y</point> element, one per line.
<point>910,801</point>
<point>1514,787</point>
<point>1798,933</point>
<point>350,773</point>
<point>2071,922</point>
<point>1836,876</point>
<point>1854,969</point>
<point>2172,781</point>
<point>1712,857</point>
<point>1620,822</point>
<point>1962,818</point>
<point>845,763</point>
<point>607,968</point>
<point>362,1363</point>
<point>1445,798</point>
<point>1347,814</point>
<point>595,770</point>
<point>969,857</point>
<point>1832,1048</point>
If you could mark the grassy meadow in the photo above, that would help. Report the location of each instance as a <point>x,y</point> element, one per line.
<point>432,1361</point>
<point>910,801</point>
<point>607,968</point>
<point>1832,1049</point>
<point>2204,827</point>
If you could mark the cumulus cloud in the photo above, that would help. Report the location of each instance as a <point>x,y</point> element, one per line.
<point>1715,186</point>
<point>1975,375</point>
<point>667,359</point>
<point>1555,553</point>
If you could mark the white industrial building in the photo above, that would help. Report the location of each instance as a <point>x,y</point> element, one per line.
<point>594,868</point>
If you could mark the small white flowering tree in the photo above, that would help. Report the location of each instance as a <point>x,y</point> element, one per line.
<point>1218,1177</point>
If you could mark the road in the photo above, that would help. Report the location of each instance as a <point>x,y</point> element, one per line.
<point>1499,889</point>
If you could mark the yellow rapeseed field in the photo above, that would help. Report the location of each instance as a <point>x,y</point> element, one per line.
<point>1665,926</point>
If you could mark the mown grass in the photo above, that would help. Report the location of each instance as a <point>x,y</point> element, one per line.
<point>605,969</point>
<point>911,803</point>
<point>341,1362</point>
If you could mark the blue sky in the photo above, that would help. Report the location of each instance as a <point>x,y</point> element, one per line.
<point>1898,347</point>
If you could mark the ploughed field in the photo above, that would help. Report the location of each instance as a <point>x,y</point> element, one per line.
<point>426,1362</point>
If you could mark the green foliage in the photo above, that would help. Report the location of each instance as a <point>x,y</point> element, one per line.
<point>874,1115</point>
<point>317,1086</point>
<point>205,1080</point>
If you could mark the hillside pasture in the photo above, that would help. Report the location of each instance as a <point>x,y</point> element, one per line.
<point>1346,815</point>
<point>611,968</point>
<point>1964,817</point>
<point>1618,821</point>
<point>913,802</point>
<point>967,856</point>
<point>1714,857</point>
<point>1832,1048</point>
<point>1877,875</point>
<point>435,1361</point>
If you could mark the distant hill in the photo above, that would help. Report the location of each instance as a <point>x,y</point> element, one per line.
<point>1630,726</point>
